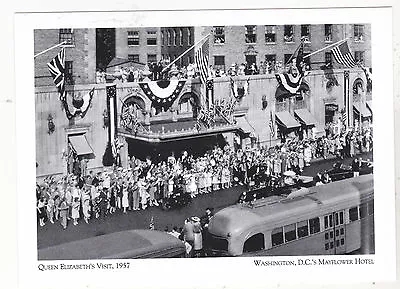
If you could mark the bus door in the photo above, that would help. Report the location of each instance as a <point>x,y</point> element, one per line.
<point>334,233</point>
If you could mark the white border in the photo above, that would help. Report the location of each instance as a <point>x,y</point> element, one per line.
<point>238,272</point>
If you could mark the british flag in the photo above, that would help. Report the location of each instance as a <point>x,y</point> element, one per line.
<point>57,71</point>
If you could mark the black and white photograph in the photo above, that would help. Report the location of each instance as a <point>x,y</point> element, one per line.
<point>240,140</point>
<point>204,141</point>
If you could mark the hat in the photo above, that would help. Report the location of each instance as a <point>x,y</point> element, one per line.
<point>195,219</point>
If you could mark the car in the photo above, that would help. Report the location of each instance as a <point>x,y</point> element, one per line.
<point>277,187</point>
<point>339,171</point>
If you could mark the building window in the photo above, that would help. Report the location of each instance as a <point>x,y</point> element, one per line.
<point>68,73</point>
<point>151,37</point>
<point>306,32</point>
<point>180,37</point>
<point>250,34</point>
<point>133,38</point>
<point>359,57</point>
<point>169,39</point>
<point>151,58</point>
<point>219,34</point>
<point>219,62</point>
<point>307,61</point>
<point>189,35</point>
<point>270,33</point>
<point>175,37</point>
<point>162,38</point>
<point>328,32</point>
<point>358,33</point>
<point>133,57</point>
<point>288,33</point>
<point>270,58</point>
<point>286,58</point>
<point>66,35</point>
<point>328,58</point>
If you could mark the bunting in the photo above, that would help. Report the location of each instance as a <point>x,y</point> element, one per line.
<point>239,90</point>
<point>77,105</point>
<point>290,83</point>
<point>162,93</point>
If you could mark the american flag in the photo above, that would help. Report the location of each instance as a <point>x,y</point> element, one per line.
<point>344,116</point>
<point>271,125</point>
<point>343,55</point>
<point>201,59</point>
<point>57,71</point>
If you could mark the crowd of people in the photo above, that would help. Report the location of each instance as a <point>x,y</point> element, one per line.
<point>161,70</point>
<point>142,184</point>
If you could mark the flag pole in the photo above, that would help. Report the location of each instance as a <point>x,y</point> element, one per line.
<point>48,49</point>
<point>324,48</point>
<point>297,49</point>
<point>186,51</point>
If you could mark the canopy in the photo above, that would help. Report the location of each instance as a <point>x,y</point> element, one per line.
<point>284,118</point>
<point>305,117</point>
<point>118,61</point>
<point>244,124</point>
<point>361,106</point>
<point>80,145</point>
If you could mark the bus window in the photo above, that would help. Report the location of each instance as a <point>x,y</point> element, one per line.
<point>254,243</point>
<point>339,220</point>
<point>302,229</point>
<point>277,236</point>
<point>370,206</point>
<point>314,226</point>
<point>363,211</point>
<point>290,232</point>
<point>328,221</point>
<point>353,214</point>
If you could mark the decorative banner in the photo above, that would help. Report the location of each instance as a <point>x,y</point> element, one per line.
<point>209,93</point>
<point>76,105</point>
<point>162,93</point>
<point>290,83</point>
<point>346,95</point>
<point>111,92</point>
<point>129,119</point>
<point>238,89</point>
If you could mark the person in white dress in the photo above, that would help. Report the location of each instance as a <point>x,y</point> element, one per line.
<point>125,201</point>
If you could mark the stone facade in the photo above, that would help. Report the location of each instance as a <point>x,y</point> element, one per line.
<point>235,49</point>
<point>81,53</point>
<point>50,146</point>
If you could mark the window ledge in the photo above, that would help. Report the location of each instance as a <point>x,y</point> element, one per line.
<point>270,43</point>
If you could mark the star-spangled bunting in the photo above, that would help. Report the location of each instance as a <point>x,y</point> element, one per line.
<point>162,93</point>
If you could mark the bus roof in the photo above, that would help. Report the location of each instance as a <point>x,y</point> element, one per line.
<point>277,209</point>
<point>119,245</point>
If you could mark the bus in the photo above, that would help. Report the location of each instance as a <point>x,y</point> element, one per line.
<point>132,244</point>
<point>336,218</point>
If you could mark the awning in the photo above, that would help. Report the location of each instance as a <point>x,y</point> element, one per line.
<point>364,110</point>
<point>369,105</point>
<point>284,118</point>
<point>80,145</point>
<point>244,124</point>
<point>117,61</point>
<point>305,117</point>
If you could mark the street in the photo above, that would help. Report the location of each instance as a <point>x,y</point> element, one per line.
<point>53,234</point>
